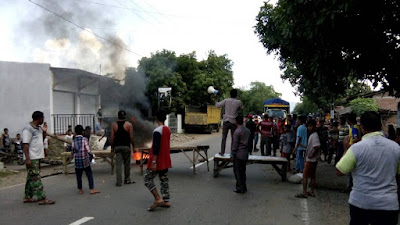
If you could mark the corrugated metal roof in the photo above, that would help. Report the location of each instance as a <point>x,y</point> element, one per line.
<point>78,72</point>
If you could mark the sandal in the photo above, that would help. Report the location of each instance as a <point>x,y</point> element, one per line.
<point>80,192</point>
<point>29,200</point>
<point>46,202</point>
<point>165,205</point>
<point>300,196</point>
<point>92,192</point>
<point>311,194</point>
<point>129,182</point>
<point>155,205</point>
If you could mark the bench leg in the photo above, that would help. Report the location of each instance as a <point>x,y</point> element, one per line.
<point>112,165</point>
<point>219,166</point>
<point>284,170</point>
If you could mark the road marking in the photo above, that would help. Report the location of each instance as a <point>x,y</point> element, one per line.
<point>199,164</point>
<point>304,215</point>
<point>12,186</point>
<point>83,220</point>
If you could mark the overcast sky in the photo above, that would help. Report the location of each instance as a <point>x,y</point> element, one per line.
<point>182,26</point>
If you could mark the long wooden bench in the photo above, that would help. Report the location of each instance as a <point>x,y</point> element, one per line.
<point>198,151</point>
<point>104,154</point>
<point>222,161</point>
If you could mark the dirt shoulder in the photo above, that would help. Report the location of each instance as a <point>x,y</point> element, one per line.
<point>15,174</point>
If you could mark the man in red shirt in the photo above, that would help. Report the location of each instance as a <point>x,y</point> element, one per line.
<point>266,127</point>
<point>159,162</point>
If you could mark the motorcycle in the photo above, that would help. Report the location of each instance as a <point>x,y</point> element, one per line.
<point>9,157</point>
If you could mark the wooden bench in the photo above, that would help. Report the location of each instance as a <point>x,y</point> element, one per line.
<point>222,161</point>
<point>105,154</point>
<point>198,151</point>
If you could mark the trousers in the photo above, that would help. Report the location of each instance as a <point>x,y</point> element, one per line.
<point>149,182</point>
<point>123,156</point>
<point>225,129</point>
<point>34,186</point>
<point>239,169</point>
<point>89,174</point>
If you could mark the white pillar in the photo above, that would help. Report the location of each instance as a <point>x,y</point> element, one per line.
<point>179,123</point>
<point>167,121</point>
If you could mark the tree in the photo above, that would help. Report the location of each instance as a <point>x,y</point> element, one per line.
<point>325,45</point>
<point>159,70</point>
<point>305,107</point>
<point>254,97</point>
<point>361,105</point>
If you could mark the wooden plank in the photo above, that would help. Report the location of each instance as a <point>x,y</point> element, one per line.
<point>254,158</point>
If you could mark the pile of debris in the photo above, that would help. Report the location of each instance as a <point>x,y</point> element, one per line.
<point>178,138</point>
<point>56,147</point>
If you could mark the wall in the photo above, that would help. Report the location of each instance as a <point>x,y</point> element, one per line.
<point>24,88</point>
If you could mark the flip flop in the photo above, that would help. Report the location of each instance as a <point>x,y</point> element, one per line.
<point>129,182</point>
<point>155,205</point>
<point>80,192</point>
<point>165,205</point>
<point>46,202</point>
<point>311,194</point>
<point>300,196</point>
<point>92,192</point>
<point>29,200</point>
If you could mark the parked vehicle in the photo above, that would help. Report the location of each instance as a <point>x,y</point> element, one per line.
<point>16,155</point>
<point>276,108</point>
<point>202,118</point>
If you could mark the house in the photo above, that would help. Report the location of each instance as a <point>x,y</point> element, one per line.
<point>65,96</point>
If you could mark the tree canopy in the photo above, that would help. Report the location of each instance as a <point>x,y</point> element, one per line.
<point>188,77</point>
<point>305,107</point>
<point>324,46</point>
<point>361,105</point>
<point>254,98</point>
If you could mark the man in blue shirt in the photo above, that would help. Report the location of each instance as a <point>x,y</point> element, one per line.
<point>301,144</point>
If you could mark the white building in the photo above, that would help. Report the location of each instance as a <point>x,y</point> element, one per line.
<point>65,96</point>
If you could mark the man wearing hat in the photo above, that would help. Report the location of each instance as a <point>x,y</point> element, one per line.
<point>121,140</point>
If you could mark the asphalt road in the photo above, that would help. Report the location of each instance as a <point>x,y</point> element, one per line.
<point>196,199</point>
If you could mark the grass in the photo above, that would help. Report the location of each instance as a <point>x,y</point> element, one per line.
<point>5,173</point>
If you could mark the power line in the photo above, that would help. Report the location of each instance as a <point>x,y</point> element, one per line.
<point>130,10</point>
<point>142,8</point>
<point>77,25</point>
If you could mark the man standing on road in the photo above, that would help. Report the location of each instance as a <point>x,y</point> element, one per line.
<point>301,143</point>
<point>121,140</point>
<point>240,154</point>
<point>266,128</point>
<point>159,162</point>
<point>374,164</point>
<point>232,108</point>
<point>33,137</point>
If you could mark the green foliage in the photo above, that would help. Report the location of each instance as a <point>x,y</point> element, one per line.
<point>361,105</point>
<point>305,107</point>
<point>324,46</point>
<point>188,77</point>
<point>254,98</point>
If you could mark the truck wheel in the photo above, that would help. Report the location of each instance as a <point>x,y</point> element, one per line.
<point>209,129</point>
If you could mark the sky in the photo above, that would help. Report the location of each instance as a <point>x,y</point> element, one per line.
<point>32,34</point>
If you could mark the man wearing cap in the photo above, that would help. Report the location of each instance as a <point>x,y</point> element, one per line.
<point>121,140</point>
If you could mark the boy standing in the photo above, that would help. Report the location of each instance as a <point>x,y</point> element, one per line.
<point>81,151</point>
<point>159,162</point>
<point>312,156</point>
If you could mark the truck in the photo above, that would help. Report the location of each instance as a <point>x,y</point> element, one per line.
<point>276,107</point>
<point>204,118</point>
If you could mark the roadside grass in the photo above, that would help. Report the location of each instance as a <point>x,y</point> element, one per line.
<point>6,173</point>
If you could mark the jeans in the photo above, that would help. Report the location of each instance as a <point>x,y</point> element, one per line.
<point>266,143</point>
<point>300,160</point>
<point>255,140</point>
<point>340,151</point>
<point>89,174</point>
<point>225,129</point>
<point>250,144</point>
<point>123,156</point>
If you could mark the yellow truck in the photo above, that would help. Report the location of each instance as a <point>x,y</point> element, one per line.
<point>204,118</point>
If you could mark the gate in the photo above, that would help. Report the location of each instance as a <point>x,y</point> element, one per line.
<point>61,121</point>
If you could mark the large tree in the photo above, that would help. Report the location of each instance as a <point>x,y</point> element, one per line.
<point>254,98</point>
<point>325,45</point>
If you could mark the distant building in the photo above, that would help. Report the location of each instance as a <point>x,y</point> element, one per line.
<point>65,96</point>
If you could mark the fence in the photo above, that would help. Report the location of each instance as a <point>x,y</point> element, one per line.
<point>62,121</point>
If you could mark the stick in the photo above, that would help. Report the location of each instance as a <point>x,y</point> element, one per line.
<point>59,138</point>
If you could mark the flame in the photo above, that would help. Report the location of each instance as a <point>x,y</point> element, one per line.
<point>136,155</point>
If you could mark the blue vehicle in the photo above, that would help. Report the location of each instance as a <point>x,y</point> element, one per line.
<point>276,108</point>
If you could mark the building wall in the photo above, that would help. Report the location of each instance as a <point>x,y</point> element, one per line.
<point>24,88</point>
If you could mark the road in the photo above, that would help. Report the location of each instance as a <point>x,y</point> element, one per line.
<point>196,199</point>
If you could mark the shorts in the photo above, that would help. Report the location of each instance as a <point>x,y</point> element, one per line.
<point>310,170</point>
